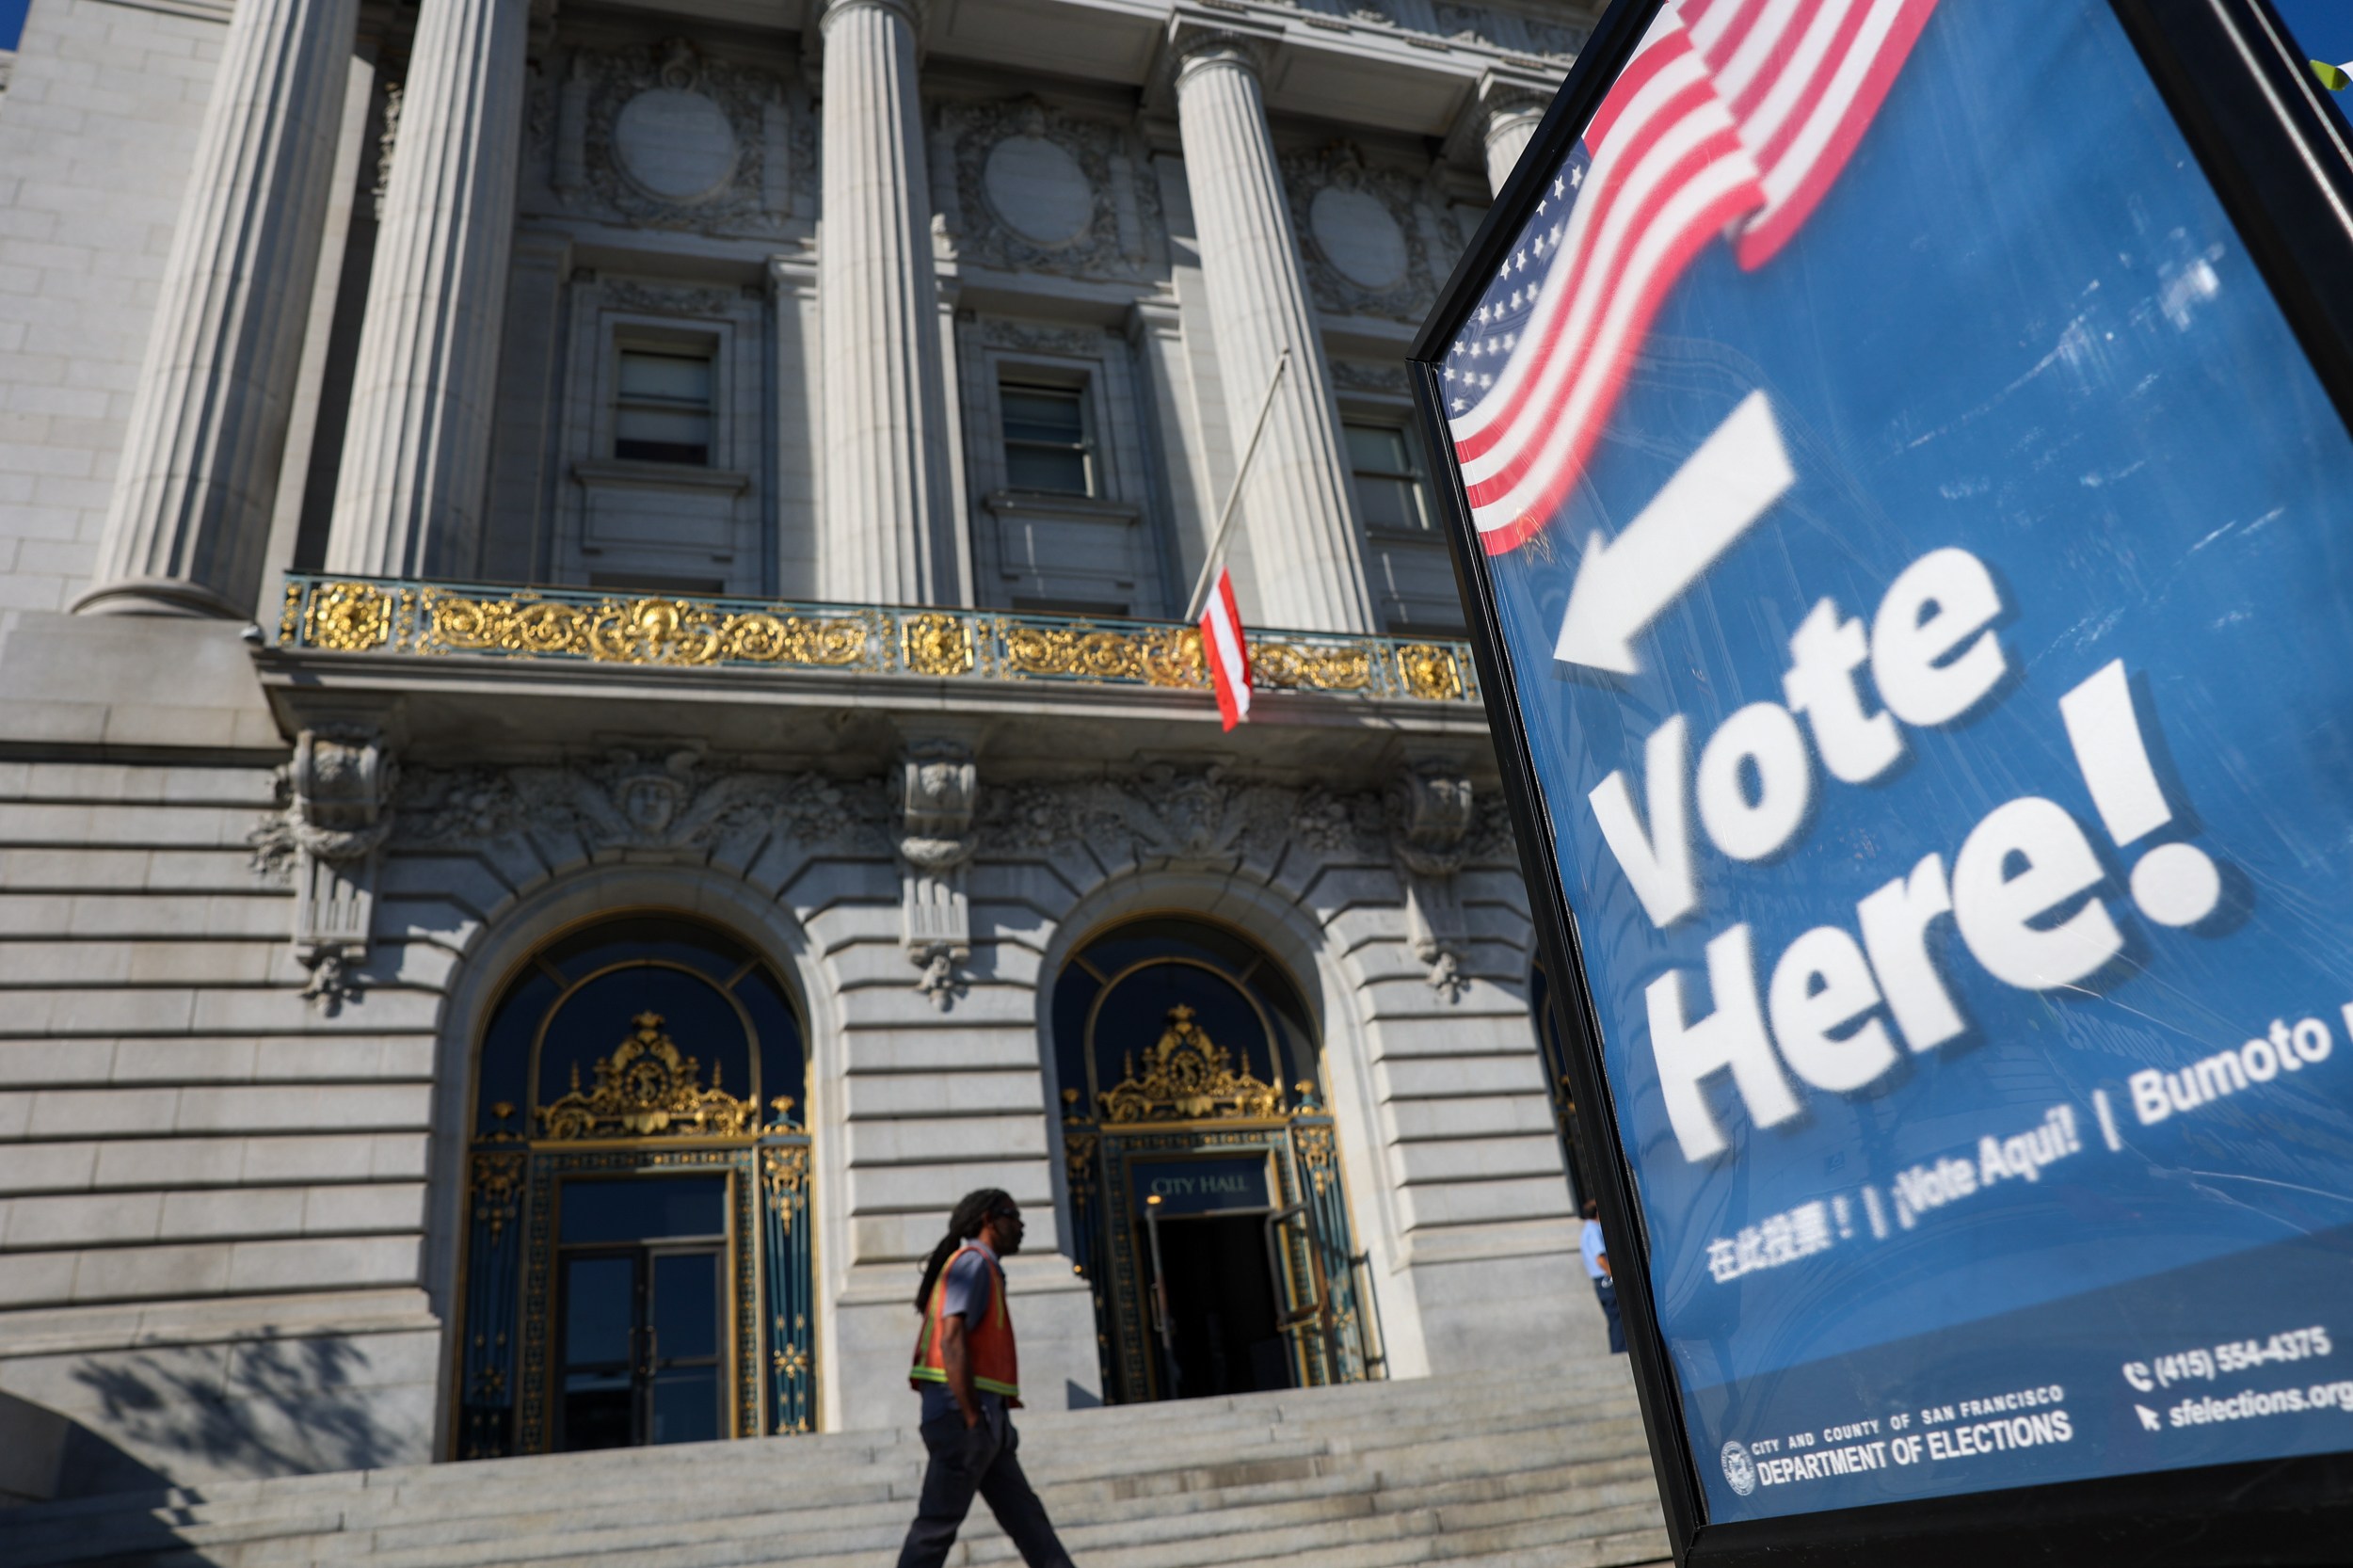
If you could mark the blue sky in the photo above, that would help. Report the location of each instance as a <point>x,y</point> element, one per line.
<point>11,21</point>
<point>2323,27</point>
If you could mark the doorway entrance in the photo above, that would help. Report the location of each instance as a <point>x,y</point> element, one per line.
<point>1212,1276</point>
<point>641,1275</point>
<point>639,1266</point>
<point>1193,1121</point>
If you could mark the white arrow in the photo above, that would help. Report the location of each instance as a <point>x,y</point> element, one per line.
<point>1715,497</point>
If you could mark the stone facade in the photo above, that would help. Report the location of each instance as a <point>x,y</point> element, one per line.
<point>357,292</point>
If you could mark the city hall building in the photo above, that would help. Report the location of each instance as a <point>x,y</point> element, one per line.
<point>596,724</point>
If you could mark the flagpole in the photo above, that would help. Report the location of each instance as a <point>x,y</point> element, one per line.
<point>1226,518</point>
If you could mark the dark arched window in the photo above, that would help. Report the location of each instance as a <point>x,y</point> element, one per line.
<point>1115,996</point>
<point>580,997</point>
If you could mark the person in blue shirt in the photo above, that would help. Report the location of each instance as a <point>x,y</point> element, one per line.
<point>1597,1268</point>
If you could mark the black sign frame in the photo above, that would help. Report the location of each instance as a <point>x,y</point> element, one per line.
<point>2279,155</point>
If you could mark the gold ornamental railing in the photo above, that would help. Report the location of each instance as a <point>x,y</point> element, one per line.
<point>382,616</point>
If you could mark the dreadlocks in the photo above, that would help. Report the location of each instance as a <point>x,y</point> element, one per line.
<point>963,1226</point>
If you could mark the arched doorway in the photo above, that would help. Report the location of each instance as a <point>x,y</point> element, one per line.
<point>1208,1212</point>
<point>637,1264</point>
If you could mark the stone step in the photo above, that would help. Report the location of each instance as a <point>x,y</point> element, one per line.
<point>1465,1398</point>
<point>728,1468</point>
<point>1074,1484</point>
<point>1404,1472</point>
<point>879,1524</point>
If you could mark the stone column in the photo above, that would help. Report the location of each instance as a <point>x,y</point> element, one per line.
<point>1298,496</point>
<point>408,501</point>
<point>1510,129</point>
<point>887,532</point>
<point>192,499</point>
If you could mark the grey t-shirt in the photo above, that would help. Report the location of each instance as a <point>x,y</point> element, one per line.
<point>970,1288</point>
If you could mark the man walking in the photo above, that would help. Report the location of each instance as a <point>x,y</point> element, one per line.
<point>1597,1267</point>
<point>969,1378</point>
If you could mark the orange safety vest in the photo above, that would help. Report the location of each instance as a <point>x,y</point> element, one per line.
<point>988,1343</point>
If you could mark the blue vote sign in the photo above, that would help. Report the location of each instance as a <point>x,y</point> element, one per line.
<point>1920,559</point>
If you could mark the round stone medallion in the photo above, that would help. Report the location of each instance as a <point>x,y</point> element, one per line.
<point>1358,237</point>
<point>1040,190</point>
<point>675,145</point>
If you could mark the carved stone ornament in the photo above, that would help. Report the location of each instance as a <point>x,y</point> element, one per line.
<point>669,300</point>
<point>672,804</point>
<point>667,136</point>
<point>1367,235</point>
<point>933,792</point>
<point>333,816</point>
<point>1038,337</point>
<point>1187,1077</point>
<point>646,1088</point>
<point>1036,189</point>
<point>1506,31</point>
<point>1370,375</point>
<point>1430,811</point>
<point>1185,818</point>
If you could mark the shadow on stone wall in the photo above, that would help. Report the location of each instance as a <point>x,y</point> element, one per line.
<point>263,1407</point>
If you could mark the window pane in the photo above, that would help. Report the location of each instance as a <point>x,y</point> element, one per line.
<point>665,425</point>
<point>645,1209</point>
<point>1389,503</point>
<point>686,1305</point>
<point>1378,448</point>
<point>1043,468</point>
<point>670,377</point>
<point>1040,414</point>
<point>600,1305</point>
<point>686,1405</point>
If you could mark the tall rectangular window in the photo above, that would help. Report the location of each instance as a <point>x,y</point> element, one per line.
<point>661,412</point>
<point>1390,489</point>
<point>1046,440</point>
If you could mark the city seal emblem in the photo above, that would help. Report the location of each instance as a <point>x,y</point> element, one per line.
<point>1739,1469</point>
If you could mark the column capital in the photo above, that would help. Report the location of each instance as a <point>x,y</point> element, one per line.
<point>1199,42</point>
<point>909,11</point>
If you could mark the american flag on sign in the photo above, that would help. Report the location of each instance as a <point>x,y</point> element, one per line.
<point>1732,118</point>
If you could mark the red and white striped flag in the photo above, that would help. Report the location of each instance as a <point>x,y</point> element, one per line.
<point>1733,118</point>
<point>1228,653</point>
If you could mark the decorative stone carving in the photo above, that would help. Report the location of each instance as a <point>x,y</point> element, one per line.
<point>1358,237</point>
<point>333,817</point>
<point>1370,375</point>
<point>1430,810</point>
<point>672,805</point>
<point>675,145</point>
<point>933,794</point>
<point>1168,815</point>
<point>631,294</point>
<point>1035,189</point>
<point>1511,33</point>
<point>667,136</point>
<point>1039,338</point>
<point>1365,246</point>
<point>1039,190</point>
